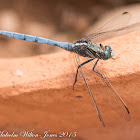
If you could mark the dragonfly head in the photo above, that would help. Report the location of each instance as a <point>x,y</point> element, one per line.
<point>108,53</point>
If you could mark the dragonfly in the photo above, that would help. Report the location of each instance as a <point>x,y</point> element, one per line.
<point>87,48</point>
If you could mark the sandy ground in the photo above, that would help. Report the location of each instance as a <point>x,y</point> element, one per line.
<point>36,94</point>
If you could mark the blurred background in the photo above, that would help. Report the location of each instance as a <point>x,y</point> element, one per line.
<point>61,20</point>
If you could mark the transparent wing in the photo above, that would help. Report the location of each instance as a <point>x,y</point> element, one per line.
<point>115,23</point>
<point>115,27</point>
<point>111,96</point>
<point>106,91</point>
<point>83,75</point>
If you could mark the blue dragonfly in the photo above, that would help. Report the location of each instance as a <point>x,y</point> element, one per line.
<point>87,48</point>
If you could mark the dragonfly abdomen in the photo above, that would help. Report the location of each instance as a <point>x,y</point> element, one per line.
<point>63,45</point>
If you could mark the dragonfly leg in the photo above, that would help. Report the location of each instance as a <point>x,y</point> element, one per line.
<point>78,69</point>
<point>96,71</point>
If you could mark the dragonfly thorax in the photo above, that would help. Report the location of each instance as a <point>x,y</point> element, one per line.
<point>89,49</point>
<point>80,48</point>
<point>100,52</point>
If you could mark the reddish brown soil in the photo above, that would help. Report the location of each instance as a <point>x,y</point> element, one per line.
<point>41,98</point>
<point>61,110</point>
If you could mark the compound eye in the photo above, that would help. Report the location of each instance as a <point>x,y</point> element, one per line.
<point>107,48</point>
<point>106,55</point>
